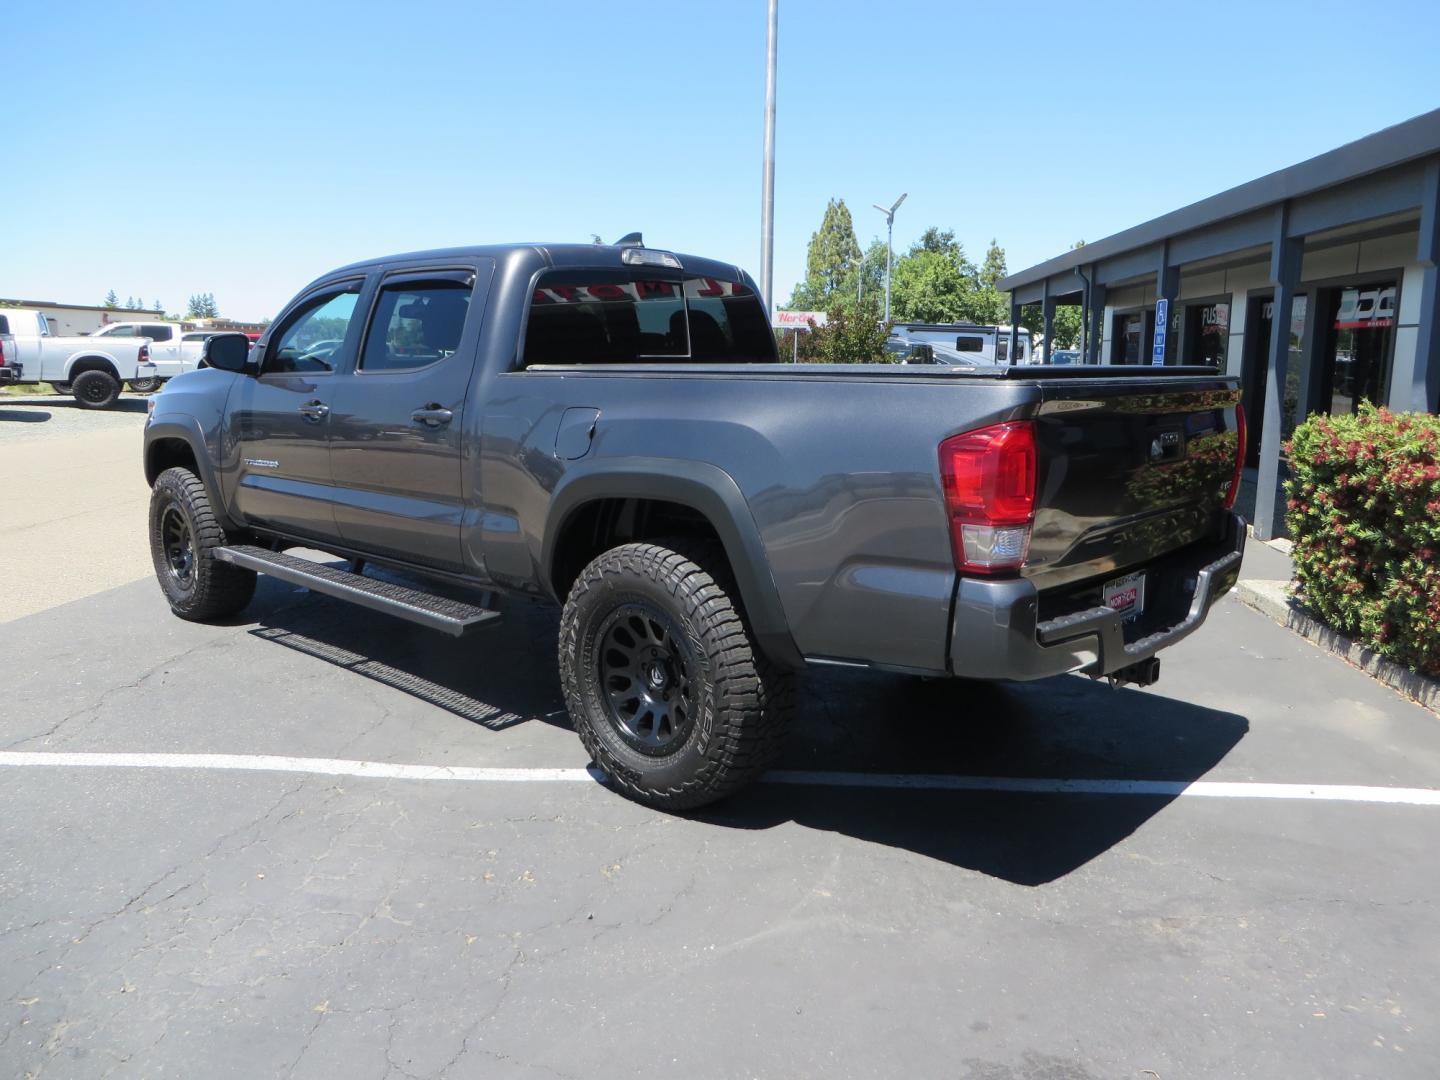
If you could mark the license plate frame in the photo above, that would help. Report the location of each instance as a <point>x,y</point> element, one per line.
<point>1125,595</point>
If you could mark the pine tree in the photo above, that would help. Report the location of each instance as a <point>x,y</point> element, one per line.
<point>993,268</point>
<point>831,261</point>
<point>130,303</point>
<point>111,300</point>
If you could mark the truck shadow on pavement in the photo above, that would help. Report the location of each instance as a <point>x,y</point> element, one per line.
<point>1065,728</point>
<point>24,405</point>
<point>23,416</point>
<point>848,721</point>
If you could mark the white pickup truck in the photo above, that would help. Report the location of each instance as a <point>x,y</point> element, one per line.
<point>91,369</point>
<point>173,349</point>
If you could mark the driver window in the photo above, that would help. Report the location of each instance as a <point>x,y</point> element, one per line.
<point>313,338</point>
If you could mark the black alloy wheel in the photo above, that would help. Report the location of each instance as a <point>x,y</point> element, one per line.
<point>647,674</point>
<point>184,537</point>
<point>178,541</point>
<point>662,678</point>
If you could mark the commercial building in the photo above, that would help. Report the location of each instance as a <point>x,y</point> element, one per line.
<point>1317,285</point>
<point>83,318</point>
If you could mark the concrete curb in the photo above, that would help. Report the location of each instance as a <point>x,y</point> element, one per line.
<point>1273,598</point>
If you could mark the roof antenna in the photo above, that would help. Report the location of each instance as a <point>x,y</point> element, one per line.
<point>630,240</point>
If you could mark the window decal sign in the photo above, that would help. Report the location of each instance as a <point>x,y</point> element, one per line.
<point>1363,308</point>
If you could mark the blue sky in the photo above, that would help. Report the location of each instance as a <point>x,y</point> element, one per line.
<point>242,149</point>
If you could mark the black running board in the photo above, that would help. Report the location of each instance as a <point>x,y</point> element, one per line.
<point>454,617</point>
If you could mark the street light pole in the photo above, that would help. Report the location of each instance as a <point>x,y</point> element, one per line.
<point>889,245</point>
<point>767,202</point>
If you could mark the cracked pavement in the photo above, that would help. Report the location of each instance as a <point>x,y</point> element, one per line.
<point>185,923</point>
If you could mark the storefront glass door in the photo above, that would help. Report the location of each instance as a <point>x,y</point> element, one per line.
<point>1360,338</point>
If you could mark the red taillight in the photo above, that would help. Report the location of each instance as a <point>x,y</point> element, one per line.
<point>144,356</point>
<point>989,480</point>
<point>1239,456</point>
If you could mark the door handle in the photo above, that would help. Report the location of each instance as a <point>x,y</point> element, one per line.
<point>432,416</point>
<point>315,410</point>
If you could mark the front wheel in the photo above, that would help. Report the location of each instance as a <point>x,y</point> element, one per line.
<point>184,534</point>
<point>95,389</point>
<point>665,685</point>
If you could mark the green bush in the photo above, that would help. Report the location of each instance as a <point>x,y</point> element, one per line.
<point>1364,515</point>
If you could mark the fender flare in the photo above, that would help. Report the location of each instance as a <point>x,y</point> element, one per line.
<point>709,491</point>
<point>187,430</point>
<point>83,355</point>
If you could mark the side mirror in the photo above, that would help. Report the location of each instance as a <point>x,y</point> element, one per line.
<point>228,352</point>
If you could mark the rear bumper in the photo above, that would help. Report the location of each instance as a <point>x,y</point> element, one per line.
<point>997,633</point>
<point>11,373</point>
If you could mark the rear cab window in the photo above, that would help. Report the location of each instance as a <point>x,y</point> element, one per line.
<point>644,316</point>
<point>418,320</point>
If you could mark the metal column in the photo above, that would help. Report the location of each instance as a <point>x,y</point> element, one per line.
<point>1285,254</point>
<point>1415,385</point>
<point>1014,327</point>
<point>1097,320</point>
<point>1047,314</point>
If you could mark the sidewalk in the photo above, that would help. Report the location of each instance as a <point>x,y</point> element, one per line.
<point>1265,584</point>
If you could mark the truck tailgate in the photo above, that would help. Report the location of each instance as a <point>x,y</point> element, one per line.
<point>1130,469</point>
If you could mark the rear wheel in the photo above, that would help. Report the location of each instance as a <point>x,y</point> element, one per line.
<point>184,534</point>
<point>145,386</point>
<point>663,681</point>
<point>95,389</point>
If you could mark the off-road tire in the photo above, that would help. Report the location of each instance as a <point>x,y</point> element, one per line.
<point>95,389</point>
<point>742,701</point>
<point>144,386</point>
<point>211,589</point>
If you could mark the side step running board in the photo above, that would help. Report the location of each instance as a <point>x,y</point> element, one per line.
<point>454,617</point>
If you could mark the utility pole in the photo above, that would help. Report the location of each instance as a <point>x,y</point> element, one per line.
<point>767,202</point>
<point>889,245</point>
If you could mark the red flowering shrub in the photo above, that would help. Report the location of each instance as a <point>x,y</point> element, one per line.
<point>1363,511</point>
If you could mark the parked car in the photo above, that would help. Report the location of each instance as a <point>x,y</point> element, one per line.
<point>92,370</point>
<point>1066,356</point>
<point>172,348</point>
<point>609,429</point>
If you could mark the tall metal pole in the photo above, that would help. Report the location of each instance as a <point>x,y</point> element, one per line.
<point>889,245</point>
<point>889,257</point>
<point>767,206</point>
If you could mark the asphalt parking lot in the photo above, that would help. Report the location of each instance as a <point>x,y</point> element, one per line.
<point>358,848</point>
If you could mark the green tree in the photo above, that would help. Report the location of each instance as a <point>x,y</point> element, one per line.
<point>111,300</point>
<point>993,268</point>
<point>830,261</point>
<point>934,281</point>
<point>202,306</point>
<point>848,337</point>
<point>130,303</point>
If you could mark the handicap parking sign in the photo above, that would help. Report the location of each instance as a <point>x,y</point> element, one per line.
<point>1162,326</point>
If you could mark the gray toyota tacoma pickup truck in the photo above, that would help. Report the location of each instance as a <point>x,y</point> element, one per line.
<point>608,428</point>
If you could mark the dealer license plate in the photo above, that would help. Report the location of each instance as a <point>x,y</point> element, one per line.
<point>1126,595</point>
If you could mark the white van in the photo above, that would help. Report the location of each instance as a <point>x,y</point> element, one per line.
<point>959,343</point>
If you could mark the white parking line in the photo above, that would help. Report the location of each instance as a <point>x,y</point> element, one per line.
<point>384,770</point>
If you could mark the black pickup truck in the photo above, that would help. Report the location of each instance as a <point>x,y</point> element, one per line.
<point>608,428</point>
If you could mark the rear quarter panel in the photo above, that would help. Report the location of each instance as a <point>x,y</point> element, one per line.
<point>839,474</point>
